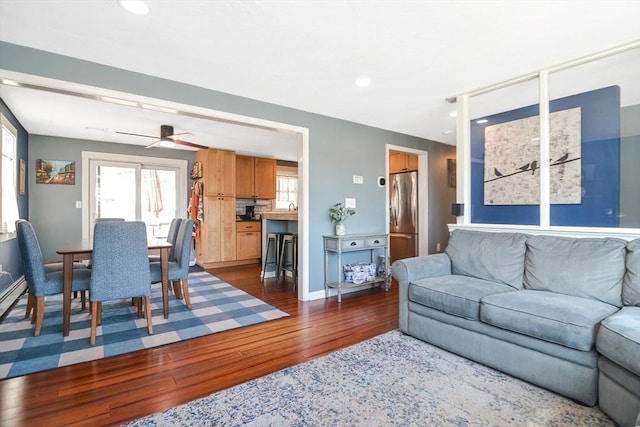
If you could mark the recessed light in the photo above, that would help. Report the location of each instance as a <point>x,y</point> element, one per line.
<point>453,114</point>
<point>363,81</point>
<point>137,7</point>
<point>481,121</point>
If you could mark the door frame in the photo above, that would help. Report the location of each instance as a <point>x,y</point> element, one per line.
<point>88,156</point>
<point>423,194</point>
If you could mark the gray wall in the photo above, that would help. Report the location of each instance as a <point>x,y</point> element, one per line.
<point>629,170</point>
<point>338,149</point>
<point>53,212</point>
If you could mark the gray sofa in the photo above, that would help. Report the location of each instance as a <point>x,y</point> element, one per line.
<point>558,312</point>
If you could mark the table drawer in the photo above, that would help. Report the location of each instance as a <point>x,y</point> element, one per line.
<point>375,242</point>
<point>243,226</point>
<point>351,244</point>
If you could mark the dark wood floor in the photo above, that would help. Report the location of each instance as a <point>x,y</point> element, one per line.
<point>117,389</point>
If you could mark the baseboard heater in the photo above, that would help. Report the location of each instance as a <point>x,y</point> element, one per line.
<point>9,295</point>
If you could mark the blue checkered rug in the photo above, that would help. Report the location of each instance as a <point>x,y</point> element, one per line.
<point>216,306</point>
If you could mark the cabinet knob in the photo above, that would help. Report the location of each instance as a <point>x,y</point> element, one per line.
<point>376,241</point>
<point>353,243</point>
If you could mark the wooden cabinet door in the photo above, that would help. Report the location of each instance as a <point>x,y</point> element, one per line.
<point>226,161</point>
<point>245,173</point>
<point>412,162</point>
<point>218,234</point>
<point>227,229</point>
<point>265,178</point>
<point>248,245</point>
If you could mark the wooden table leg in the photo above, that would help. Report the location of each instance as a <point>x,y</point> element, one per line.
<point>67,279</point>
<point>164,268</point>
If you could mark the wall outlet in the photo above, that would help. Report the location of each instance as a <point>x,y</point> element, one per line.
<point>438,248</point>
<point>78,204</point>
<point>350,203</point>
<point>358,179</point>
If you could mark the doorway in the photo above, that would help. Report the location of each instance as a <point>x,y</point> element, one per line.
<point>407,202</point>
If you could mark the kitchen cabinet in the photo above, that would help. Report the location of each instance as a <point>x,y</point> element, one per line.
<point>218,172</point>
<point>218,231</point>
<point>402,162</point>
<point>255,177</point>
<point>248,240</point>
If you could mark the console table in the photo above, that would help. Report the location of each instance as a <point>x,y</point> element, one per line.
<point>337,245</point>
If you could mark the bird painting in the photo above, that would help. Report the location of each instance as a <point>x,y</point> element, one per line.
<point>524,168</point>
<point>563,158</point>
<point>534,166</point>
<point>497,172</point>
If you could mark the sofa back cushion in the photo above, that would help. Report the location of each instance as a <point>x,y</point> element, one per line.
<point>631,284</point>
<point>587,267</point>
<point>498,257</point>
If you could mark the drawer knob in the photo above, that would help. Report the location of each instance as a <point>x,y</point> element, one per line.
<point>376,241</point>
<point>353,243</point>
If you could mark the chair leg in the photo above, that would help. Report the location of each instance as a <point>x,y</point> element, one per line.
<point>83,299</point>
<point>31,301</point>
<point>147,306</point>
<point>185,291</point>
<point>99,312</point>
<point>39,315</point>
<point>94,321</point>
<point>177,289</point>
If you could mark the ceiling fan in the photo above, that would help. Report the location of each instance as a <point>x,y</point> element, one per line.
<point>167,135</point>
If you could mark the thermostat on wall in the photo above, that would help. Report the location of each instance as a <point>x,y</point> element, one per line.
<point>381,181</point>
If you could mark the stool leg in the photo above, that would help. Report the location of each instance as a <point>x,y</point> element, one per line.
<point>295,264</point>
<point>266,260</point>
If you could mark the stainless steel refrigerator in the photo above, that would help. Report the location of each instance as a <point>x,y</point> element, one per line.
<point>403,215</point>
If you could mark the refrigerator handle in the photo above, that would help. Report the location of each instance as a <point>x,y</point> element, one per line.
<point>394,203</point>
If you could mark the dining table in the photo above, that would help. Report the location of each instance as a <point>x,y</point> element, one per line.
<point>82,249</point>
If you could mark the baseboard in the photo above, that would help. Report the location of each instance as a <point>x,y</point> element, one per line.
<point>13,292</point>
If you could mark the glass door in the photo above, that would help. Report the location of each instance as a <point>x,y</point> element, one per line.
<point>134,192</point>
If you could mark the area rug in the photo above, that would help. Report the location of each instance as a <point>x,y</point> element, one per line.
<point>390,380</point>
<point>216,306</point>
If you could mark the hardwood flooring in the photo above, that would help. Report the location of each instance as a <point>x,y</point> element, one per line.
<point>122,388</point>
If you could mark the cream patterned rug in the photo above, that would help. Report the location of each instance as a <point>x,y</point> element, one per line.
<point>390,380</point>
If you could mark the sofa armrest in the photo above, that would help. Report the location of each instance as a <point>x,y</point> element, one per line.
<point>408,270</point>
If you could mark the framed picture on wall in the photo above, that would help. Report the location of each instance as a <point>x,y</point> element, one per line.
<point>21,181</point>
<point>55,172</point>
<point>451,172</point>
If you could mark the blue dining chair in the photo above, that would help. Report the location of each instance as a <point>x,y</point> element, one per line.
<point>179,264</point>
<point>40,282</point>
<point>171,238</point>
<point>120,267</point>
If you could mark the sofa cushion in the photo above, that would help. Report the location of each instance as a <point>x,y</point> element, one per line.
<point>498,257</point>
<point>631,283</point>
<point>588,267</point>
<point>457,295</point>
<point>619,338</point>
<point>562,319</point>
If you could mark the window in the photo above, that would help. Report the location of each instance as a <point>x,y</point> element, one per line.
<point>286,187</point>
<point>9,207</point>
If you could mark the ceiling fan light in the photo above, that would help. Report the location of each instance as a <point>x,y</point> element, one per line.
<point>137,7</point>
<point>165,142</point>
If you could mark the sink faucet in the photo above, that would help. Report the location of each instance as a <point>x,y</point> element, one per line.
<point>293,207</point>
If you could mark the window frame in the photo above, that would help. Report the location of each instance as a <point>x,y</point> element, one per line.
<point>5,123</point>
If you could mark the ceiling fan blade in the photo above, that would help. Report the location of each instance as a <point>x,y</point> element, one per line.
<point>136,134</point>
<point>190,144</point>
<point>154,143</point>
<point>179,135</point>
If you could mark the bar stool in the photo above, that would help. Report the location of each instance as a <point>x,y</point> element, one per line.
<point>289,263</point>
<point>274,241</point>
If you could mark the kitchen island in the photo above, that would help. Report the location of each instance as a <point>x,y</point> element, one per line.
<point>276,222</point>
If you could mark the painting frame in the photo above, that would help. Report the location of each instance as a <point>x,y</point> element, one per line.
<point>50,171</point>
<point>451,172</point>
<point>22,178</point>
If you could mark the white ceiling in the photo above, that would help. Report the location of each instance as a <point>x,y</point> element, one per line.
<point>304,55</point>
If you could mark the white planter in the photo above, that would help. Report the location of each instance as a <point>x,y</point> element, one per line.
<point>340,229</point>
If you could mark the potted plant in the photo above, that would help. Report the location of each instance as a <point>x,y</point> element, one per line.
<point>338,214</point>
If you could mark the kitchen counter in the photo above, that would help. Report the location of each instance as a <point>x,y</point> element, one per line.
<point>280,215</point>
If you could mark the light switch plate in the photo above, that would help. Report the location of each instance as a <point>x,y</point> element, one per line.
<point>350,203</point>
<point>358,179</point>
<point>78,204</point>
